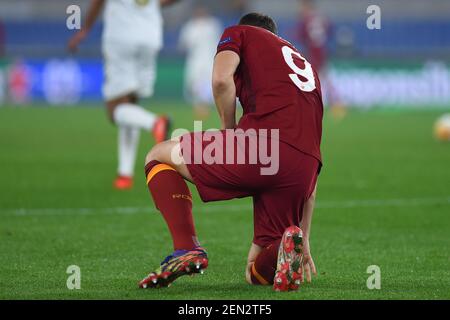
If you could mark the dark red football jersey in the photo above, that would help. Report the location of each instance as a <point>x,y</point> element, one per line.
<point>277,87</point>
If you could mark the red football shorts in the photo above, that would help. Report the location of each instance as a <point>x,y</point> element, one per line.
<point>278,197</point>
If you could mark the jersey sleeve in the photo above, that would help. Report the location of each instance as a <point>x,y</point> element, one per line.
<point>231,40</point>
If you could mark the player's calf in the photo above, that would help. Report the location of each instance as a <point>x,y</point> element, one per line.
<point>173,199</point>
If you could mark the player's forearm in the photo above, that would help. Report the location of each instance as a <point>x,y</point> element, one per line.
<point>225,97</point>
<point>167,2</point>
<point>308,210</point>
<point>93,12</point>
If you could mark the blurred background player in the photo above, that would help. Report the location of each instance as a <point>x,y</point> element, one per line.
<point>131,40</point>
<point>314,33</point>
<point>198,37</point>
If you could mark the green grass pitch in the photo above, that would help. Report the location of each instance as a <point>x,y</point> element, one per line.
<point>383,199</point>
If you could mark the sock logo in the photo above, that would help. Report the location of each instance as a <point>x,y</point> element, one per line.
<point>181,196</point>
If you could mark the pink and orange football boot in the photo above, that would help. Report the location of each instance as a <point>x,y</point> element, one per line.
<point>289,273</point>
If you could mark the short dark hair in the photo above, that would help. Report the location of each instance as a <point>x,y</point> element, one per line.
<point>259,20</point>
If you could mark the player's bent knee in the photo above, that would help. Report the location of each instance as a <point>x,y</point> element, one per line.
<point>163,152</point>
<point>151,155</point>
<point>156,153</point>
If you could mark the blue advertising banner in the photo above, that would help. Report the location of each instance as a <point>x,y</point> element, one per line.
<point>54,81</point>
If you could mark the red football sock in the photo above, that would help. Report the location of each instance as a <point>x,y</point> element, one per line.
<point>173,198</point>
<point>265,265</point>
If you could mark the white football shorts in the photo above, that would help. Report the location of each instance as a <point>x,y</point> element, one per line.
<point>128,69</point>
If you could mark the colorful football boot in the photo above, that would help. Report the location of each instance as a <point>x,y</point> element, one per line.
<point>179,263</point>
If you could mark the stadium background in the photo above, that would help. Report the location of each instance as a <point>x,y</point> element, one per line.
<point>383,196</point>
<point>403,64</point>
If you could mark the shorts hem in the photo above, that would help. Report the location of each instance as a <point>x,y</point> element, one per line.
<point>198,185</point>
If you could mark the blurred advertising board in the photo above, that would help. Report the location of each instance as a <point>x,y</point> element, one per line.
<point>55,81</point>
<point>410,85</point>
<point>62,82</point>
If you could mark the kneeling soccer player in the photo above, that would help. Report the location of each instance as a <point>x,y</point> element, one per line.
<point>281,98</point>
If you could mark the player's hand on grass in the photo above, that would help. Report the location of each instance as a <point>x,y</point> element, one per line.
<point>75,41</point>
<point>308,262</point>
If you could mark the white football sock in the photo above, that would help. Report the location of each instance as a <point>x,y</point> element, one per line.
<point>128,139</point>
<point>131,115</point>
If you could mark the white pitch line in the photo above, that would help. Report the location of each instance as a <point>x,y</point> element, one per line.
<point>405,202</point>
<point>412,202</point>
<point>114,210</point>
